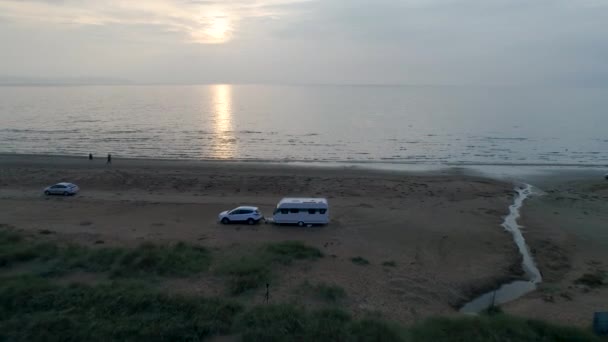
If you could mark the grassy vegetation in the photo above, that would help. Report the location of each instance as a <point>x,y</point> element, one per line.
<point>592,280</point>
<point>287,251</point>
<point>245,273</point>
<point>252,271</point>
<point>326,292</point>
<point>32,309</point>
<point>35,308</point>
<point>161,260</point>
<point>496,328</point>
<point>390,263</point>
<point>359,261</point>
<point>292,323</point>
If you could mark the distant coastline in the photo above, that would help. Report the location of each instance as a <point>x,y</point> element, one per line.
<point>16,81</point>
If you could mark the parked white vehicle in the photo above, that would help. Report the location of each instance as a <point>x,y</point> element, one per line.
<point>65,189</point>
<point>301,211</point>
<point>251,215</point>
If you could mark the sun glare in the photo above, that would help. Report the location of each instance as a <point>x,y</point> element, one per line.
<point>216,29</point>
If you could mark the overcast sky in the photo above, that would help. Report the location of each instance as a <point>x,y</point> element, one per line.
<point>308,41</point>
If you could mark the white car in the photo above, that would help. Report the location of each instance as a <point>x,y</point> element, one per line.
<point>251,215</point>
<point>65,189</point>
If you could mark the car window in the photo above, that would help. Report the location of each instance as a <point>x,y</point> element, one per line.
<point>322,211</point>
<point>312,211</point>
<point>284,211</point>
<point>246,211</point>
<point>235,212</point>
<point>294,211</point>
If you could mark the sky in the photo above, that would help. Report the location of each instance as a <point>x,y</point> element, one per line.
<point>453,42</point>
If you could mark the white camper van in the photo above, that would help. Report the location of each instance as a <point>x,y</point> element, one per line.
<point>302,211</point>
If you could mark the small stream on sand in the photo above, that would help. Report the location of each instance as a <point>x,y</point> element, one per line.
<point>513,290</point>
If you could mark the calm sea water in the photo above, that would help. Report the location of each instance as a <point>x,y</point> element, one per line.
<point>418,125</point>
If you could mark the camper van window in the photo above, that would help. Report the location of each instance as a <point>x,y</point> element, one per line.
<point>311,211</point>
<point>294,211</point>
<point>322,211</point>
<point>284,211</point>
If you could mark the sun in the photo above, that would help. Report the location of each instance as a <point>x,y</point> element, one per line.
<point>216,29</point>
<point>219,29</point>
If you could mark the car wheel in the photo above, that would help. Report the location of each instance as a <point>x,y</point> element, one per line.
<point>301,224</point>
<point>47,192</point>
<point>225,220</point>
<point>250,221</point>
<point>65,193</point>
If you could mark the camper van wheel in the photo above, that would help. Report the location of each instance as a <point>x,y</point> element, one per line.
<point>225,220</point>
<point>250,221</point>
<point>301,224</point>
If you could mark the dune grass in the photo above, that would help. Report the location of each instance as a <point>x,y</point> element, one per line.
<point>291,323</point>
<point>36,308</point>
<point>328,293</point>
<point>595,279</point>
<point>287,251</point>
<point>497,327</point>
<point>254,270</point>
<point>33,309</point>
<point>359,261</point>
<point>145,260</point>
<point>245,273</point>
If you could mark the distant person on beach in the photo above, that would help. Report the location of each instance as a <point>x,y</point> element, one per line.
<point>90,156</point>
<point>109,159</point>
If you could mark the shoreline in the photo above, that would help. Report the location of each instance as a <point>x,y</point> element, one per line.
<point>397,165</point>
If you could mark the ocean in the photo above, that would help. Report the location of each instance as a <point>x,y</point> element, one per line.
<point>451,125</point>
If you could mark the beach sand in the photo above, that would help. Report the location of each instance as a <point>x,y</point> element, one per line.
<point>442,230</point>
<point>566,229</point>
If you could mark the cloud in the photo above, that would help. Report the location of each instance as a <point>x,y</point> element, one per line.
<point>197,20</point>
<point>310,41</point>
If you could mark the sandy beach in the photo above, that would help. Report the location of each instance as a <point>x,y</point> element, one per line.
<point>442,230</point>
<point>566,228</point>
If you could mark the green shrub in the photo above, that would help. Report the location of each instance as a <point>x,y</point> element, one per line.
<point>359,261</point>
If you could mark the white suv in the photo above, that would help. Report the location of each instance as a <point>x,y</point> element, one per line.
<point>251,215</point>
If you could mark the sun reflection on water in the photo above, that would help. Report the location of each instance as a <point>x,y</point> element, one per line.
<point>223,145</point>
